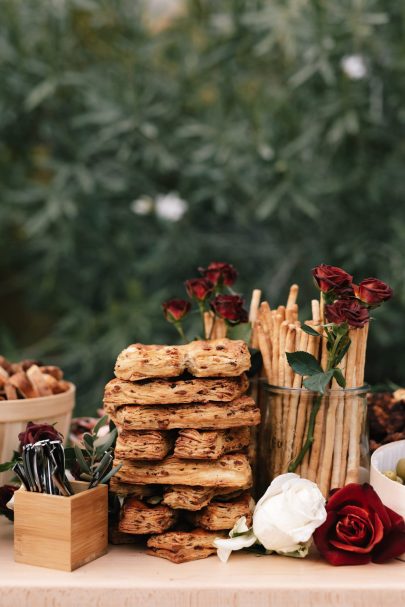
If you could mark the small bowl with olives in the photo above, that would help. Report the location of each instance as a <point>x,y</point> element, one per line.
<point>387,475</point>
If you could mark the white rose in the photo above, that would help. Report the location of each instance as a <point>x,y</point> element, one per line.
<point>284,519</point>
<point>288,513</point>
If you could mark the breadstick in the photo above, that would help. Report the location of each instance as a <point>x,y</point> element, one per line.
<point>299,411</point>
<point>282,356</point>
<point>350,382</point>
<point>254,305</point>
<point>208,323</point>
<point>292,296</point>
<point>276,348</point>
<point>265,349</point>
<point>281,311</point>
<point>357,421</point>
<point>316,312</point>
<point>289,347</point>
<point>253,310</point>
<point>352,412</point>
<point>265,316</point>
<point>313,345</point>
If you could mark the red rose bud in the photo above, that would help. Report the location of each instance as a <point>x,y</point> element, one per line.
<point>359,528</point>
<point>230,308</point>
<point>199,288</point>
<point>331,278</point>
<point>219,273</point>
<point>36,432</point>
<point>373,291</point>
<point>6,493</point>
<point>347,310</point>
<point>175,309</point>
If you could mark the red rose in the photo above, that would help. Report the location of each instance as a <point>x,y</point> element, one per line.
<point>6,493</point>
<point>373,291</point>
<point>175,309</point>
<point>230,308</point>
<point>219,273</point>
<point>359,528</point>
<point>331,278</point>
<point>199,288</point>
<point>35,432</point>
<point>347,310</point>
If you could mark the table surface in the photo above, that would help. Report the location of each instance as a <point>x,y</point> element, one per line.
<point>127,577</point>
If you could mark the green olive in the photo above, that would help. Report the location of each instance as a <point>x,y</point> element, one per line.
<point>401,468</point>
<point>390,474</point>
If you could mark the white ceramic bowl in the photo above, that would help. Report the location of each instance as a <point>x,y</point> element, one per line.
<point>392,494</point>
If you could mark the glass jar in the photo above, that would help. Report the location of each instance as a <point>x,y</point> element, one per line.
<point>323,438</point>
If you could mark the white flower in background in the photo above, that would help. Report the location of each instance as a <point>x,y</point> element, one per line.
<point>170,206</point>
<point>284,519</point>
<point>354,67</point>
<point>142,206</point>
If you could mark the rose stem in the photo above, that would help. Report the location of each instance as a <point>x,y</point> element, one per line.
<point>179,328</point>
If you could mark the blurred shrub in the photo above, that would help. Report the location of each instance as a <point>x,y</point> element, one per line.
<point>279,124</point>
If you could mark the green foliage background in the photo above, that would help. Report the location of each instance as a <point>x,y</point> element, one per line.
<point>242,107</point>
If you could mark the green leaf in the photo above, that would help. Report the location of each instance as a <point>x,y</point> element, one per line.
<point>103,443</point>
<point>310,331</point>
<point>342,352</point>
<point>303,363</point>
<point>342,329</point>
<point>7,466</point>
<point>101,422</point>
<point>338,375</point>
<point>319,381</point>
<point>81,461</point>
<point>88,441</point>
<point>113,471</point>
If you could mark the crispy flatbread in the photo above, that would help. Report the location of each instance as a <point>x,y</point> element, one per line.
<point>214,358</point>
<point>166,392</point>
<point>183,546</point>
<point>228,471</point>
<point>210,444</point>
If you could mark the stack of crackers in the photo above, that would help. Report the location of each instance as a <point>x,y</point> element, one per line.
<point>184,423</point>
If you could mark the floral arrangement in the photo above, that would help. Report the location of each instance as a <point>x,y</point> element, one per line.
<point>219,306</point>
<point>324,355</point>
<point>352,528</point>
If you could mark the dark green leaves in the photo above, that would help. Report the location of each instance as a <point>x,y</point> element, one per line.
<point>318,381</point>
<point>338,375</point>
<point>84,467</point>
<point>310,331</point>
<point>6,466</point>
<point>303,363</point>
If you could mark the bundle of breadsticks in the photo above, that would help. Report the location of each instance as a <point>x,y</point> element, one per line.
<point>184,429</point>
<point>334,458</point>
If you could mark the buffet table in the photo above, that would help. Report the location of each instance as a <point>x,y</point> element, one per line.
<point>127,577</point>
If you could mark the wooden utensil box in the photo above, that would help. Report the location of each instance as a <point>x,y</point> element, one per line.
<point>61,532</point>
